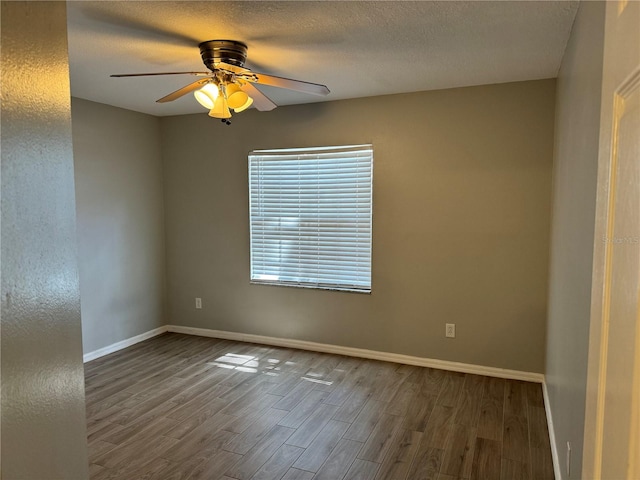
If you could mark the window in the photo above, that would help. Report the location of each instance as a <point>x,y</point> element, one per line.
<point>310,217</point>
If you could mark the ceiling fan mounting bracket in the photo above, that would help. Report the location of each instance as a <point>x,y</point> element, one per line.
<point>226,51</point>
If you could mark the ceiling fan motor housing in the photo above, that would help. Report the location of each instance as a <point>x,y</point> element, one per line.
<point>227,51</point>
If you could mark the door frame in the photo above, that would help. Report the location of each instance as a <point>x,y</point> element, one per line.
<point>600,293</point>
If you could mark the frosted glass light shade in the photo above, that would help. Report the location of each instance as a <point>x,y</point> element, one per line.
<point>236,98</point>
<point>220,108</point>
<point>247,104</point>
<point>207,95</point>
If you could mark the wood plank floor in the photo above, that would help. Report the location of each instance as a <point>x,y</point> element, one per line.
<point>184,407</point>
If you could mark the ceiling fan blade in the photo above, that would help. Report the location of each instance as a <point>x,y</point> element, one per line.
<point>273,81</point>
<point>184,90</point>
<point>119,75</point>
<point>260,100</point>
<point>290,84</point>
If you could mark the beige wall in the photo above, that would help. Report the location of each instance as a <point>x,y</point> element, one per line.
<point>572,238</point>
<point>43,413</point>
<point>461,223</point>
<point>120,222</point>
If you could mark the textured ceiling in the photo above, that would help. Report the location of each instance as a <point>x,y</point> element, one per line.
<point>357,49</point>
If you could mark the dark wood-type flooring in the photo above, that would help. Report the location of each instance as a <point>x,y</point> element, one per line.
<point>186,407</point>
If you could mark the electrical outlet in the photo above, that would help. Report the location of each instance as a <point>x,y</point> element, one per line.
<point>198,303</point>
<point>450,330</point>
<point>568,459</point>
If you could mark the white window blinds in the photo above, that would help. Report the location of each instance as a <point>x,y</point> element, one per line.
<point>310,217</point>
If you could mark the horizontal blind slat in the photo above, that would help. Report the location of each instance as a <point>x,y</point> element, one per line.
<point>310,216</point>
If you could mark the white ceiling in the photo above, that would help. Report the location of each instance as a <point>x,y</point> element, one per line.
<point>356,48</point>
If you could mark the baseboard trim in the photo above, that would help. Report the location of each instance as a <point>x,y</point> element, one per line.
<point>339,350</point>
<point>361,353</point>
<point>552,433</point>
<point>114,347</point>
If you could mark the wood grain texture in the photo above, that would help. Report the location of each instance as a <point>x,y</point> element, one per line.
<point>322,446</point>
<point>381,438</point>
<point>260,429</point>
<point>362,470</point>
<point>179,407</point>
<point>458,455</point>
<point>469,403</point>
<point>418,413</point>
<point>295,474</point>
<point>516,438</point>
<point>486,459</point>
<point>514,470</point>
<point>279,463</point>
<point>338,463</point>
<point>490,420</point>
<point>438,427</point>
<point>403,450</point>
<point>515,398</point>
<point>212,468</point>
<point>250,463</point>
<point>426,464</point>
<point>312,426</point>
<point>451,388</point>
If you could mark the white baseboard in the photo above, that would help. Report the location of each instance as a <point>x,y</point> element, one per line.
<point>114,347</point>
<point>362,353</point>
<point>337,349</point>
<point>552,433</point>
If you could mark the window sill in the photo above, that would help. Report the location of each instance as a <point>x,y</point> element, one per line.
<point>313,287</point>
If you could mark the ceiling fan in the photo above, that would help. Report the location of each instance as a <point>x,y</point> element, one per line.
<point>228,85</point>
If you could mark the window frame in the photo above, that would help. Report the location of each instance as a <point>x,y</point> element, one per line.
<point>362,157</point>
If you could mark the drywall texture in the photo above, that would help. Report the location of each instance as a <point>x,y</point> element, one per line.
<point>43,412</point>
<point>120,222</point>
<point>573,223</point>
<point>462,187</point>
<point>400,46</point>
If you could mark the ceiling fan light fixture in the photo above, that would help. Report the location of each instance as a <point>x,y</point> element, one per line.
<point>246,105</point>
<point>228,84</point>
<point>207,95</point>
<point>220,108</point>
<point>235,96</point>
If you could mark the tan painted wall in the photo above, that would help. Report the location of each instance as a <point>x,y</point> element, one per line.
<point>43,412</point>
<point>119,199</point>
<point>462,183</point>
<point>572,238</point>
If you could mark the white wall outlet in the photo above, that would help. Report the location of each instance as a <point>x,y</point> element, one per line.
<point>198,302</point>
<point>568,459</point>
<point>450,330</point>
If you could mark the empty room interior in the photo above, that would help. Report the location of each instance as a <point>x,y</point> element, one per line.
<point>423,264</point>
